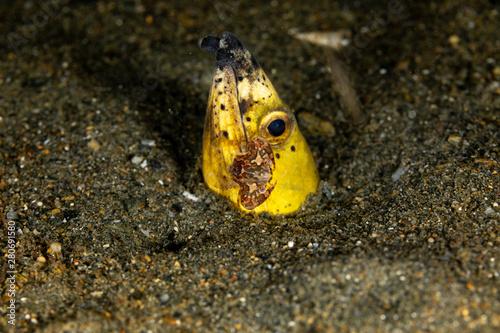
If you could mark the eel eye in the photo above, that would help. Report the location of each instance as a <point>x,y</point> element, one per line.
<point>276,126</point>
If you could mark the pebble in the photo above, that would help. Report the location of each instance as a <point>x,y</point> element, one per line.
<point>496,71</point>
<point>41,259</point>
<point>137,159</point>
<point>453,40</point>
<point>11,214</point>
<point>489,211</point>
<point>146,232</point>
<point>164,298</point>
<point>149,143</point>
<point>56,249</point>
<point>94,145</point>
<point>454,139</point>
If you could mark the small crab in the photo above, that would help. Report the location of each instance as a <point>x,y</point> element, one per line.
<point>253,171</point>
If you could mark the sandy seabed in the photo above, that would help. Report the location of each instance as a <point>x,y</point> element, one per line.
<point>102,107</point>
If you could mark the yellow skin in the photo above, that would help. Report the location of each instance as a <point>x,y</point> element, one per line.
<point>241,105</point>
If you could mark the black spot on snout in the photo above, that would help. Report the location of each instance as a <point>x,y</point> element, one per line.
<point>293,148</point>
<point>225,134</point>
<point>210,43</point>
<point>223,57</point>
<point>222,107</point>
<point>244,104</point>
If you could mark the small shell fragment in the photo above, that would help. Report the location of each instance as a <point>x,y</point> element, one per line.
<point>332,39</point>
<point>190,196</point>
<point>94,144</point>
<point>11,214</point>
<point>137,159</point>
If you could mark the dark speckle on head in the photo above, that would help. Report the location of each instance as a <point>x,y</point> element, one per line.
<point>293,148</point>
<point>225,134</point>
<point>235,54</point>
<point>277,155</point>
<point>222,107</point>
<point>244,104</point>
<point>255,63</point>
<point>231,41</point>
<point>223,56</point>
<point>249,119</point>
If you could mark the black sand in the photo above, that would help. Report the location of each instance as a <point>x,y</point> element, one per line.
<point>101,116</point>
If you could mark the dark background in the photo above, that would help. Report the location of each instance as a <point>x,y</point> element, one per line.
<point>403,234</point>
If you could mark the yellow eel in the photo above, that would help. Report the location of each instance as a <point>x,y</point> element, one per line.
<point>253,151</point>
